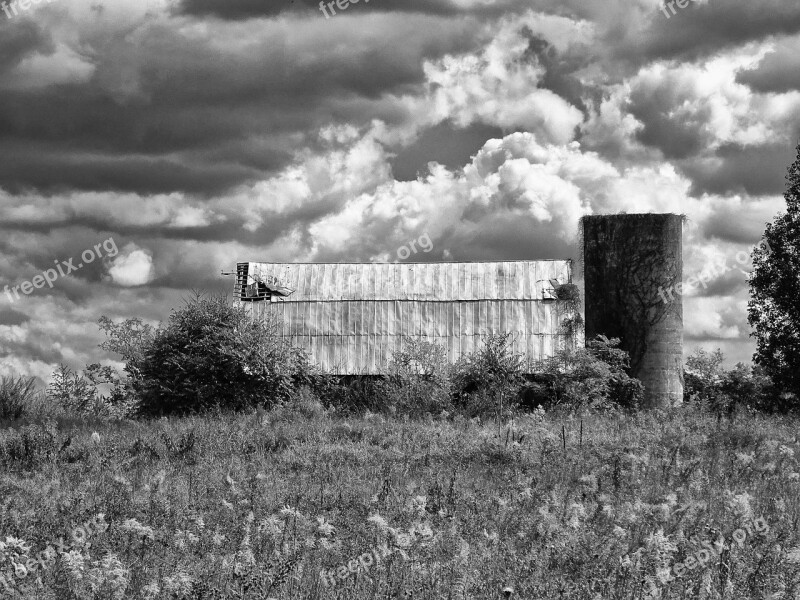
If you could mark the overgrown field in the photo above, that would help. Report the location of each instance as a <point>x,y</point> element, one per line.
<point>258,505</point>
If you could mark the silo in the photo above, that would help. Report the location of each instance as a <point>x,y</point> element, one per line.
<point>632,268</point>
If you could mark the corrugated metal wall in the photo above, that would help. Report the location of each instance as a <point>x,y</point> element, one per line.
<point>352,317</point>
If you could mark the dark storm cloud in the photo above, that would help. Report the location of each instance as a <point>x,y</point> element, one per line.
<point>191,118</point>
<point>734,169</point>
<point>19,39</point>
<point>9,316</point>
<point>703,29</point>
<point>676,136</point>
<point>445,144</point>
<point>779,71</point>
<point>747,228</point>
<point>143,175</point>
<point>248,9</point>
<point>726,285</point>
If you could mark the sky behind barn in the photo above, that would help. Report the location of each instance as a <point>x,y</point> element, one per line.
<point>198,133</point>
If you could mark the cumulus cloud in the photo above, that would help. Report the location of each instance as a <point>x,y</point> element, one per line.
<point>199,133</point>
<point>133,266</point>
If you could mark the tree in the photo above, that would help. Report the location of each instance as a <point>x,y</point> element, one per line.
<point>211,354</point>
<point>774,307</point>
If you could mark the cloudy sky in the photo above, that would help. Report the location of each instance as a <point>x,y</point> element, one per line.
<point>199,133</point>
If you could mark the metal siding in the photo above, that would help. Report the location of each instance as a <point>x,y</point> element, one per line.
<point>353,317</point>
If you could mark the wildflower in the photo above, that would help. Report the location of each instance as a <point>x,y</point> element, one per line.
<point>199,522</point>
<point>423,529</point>
<point>75,564</point>
<point>151,591</point>
<point>15,546</point>
<point>739,504</point>
<point>244,558</point>
<point>745,458</point>
<point>110,576</point>
<point>183,539</point>
<point>379,522</point>
<point>95,438</point>
<point>324,527</point>
<point>133,526</point>
<point>122,481</point>
<point>793,556</point>
<point>272,526</point>
<point>785,451</point>
<point>577,514</point>
<point>217,539</point>
<point>178,585</point>
<point>327,544</point>
<point>590,481</point>
<point>418,504</point>
<point>291,513</point>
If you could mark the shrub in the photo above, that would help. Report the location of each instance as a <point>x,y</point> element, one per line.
<point>490,380</point>
<point>355,394</point>
<point>418,379</point>
<point>72,391</point>
<point>213,355</point>
<point>29,446</point>
<point>16,394</point>
<point>707,382</point>
<point>592,377</point>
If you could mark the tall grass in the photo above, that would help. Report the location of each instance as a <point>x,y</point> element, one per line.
<point>256,505</point>
<point>16,393</point>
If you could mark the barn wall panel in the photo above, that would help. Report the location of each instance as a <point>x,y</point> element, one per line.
<point>353,317</point>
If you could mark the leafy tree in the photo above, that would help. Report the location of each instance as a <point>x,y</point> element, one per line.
<point>706,381</point>
<point>491,378</point>
<point>77,392</point>
<point>703,375</point>
<point>212,354</point>
<point>774,307</point>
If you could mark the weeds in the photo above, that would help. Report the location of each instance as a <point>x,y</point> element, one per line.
<point>602,507</point>
<point>16,393</point>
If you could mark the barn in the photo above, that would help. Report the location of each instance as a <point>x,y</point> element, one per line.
<point>351,317</point>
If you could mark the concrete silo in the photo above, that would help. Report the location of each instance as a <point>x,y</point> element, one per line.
<point>632,266</point>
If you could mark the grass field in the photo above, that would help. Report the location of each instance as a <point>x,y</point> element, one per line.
<point>303,503</point>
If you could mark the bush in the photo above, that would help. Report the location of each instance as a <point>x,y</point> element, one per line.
<point>708,383</point>
<point>28,447</point>
<point>355,394</point>
<point>214,355</point>
<point>418,380</point>
<point>593,377</point>
<point>16,394</point>
<point>490,380</point>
